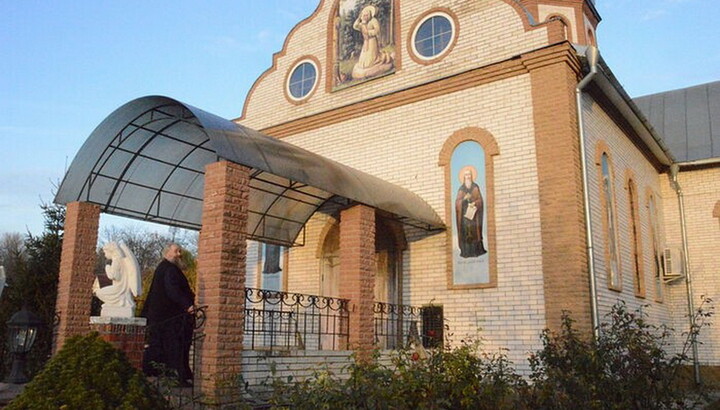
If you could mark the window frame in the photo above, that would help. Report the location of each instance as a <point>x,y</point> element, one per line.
<point>657,255</point>
<point>455,26</point>
<point>635,231</point>
<point>284,255</point>
<point>609,217</point>
<point>489,145</point>
<point>288,76</point>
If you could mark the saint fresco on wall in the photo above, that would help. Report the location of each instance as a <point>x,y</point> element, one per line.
<point>471,263</point>
<point>364,41</point>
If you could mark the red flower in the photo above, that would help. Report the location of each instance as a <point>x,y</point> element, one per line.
<point>431,333</point>
<point>415,357</point>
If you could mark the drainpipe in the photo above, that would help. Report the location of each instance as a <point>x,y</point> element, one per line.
<point>674,168</point>
<point>592,55</point>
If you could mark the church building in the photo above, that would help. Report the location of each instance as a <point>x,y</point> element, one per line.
<point>425,171</point>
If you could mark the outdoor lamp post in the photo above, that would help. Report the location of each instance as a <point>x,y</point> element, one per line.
<point>22,329</point>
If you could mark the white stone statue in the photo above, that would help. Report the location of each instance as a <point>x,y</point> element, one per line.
<point>119,298</point>
<point>3,279</point>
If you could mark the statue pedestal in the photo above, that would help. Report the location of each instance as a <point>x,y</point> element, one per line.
<point>125,333</point>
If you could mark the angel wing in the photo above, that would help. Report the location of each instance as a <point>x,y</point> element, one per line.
<point>132,270</point>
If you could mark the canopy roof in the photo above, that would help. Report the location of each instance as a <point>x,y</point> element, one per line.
<point>147,161</point>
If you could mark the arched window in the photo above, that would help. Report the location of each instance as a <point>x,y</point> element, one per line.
<point>635,238</point>
<point>658,259</point>
<point>607,198</point>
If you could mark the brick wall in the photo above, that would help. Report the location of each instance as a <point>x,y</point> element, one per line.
<point>602,130</point>
<point>701,189</point>
<point>489,31</point>
<point>128,338</point>
<point>77,263</point>
<point>262,366</point>
<point>401,145</point>
<point>554,78</point>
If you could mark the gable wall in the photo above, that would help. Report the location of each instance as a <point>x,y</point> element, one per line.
<point>489,31</point>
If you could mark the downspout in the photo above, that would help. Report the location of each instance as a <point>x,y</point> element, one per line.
<point>592,55</point>
<point>674,168</point>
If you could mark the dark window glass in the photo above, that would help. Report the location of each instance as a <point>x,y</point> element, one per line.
<point>432,326</point>
<point>302,80</point>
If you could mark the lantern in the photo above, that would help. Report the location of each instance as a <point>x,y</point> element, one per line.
<point>22,330</point>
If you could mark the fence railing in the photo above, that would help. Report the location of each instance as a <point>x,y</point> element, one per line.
<point>396,325</point>
<point>284,321</point>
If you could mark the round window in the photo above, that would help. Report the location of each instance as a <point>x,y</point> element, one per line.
<point>302,80</point>
<point>433,36</point>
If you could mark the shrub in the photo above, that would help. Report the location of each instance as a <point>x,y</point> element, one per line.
<point>455,378</point>
<point>626,367</point>
<point>88,373</point>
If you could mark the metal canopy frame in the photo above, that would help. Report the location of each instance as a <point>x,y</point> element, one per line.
<point>147,161</point>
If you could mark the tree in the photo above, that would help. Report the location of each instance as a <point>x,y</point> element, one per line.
<point>12,249</point>
<point>32,283</point>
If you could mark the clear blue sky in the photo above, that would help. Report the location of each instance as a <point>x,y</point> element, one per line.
<point>65,65</point>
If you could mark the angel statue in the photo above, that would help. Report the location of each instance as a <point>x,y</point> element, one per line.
<point>3,279</point>
<point>124,271</point>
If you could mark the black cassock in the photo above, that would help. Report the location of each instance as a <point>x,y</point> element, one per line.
<point>170,327</point>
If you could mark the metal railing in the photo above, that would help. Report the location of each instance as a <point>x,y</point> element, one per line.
<point>293,321</point>
<point>396,325</point>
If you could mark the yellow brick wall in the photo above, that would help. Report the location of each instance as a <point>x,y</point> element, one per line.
<point>701,191</point>
<point>489,31</point>
<point>624,156</point>
<point>402,146</point>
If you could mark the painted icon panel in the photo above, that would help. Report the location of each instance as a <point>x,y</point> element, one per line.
<point>470,256</point>
<point>364,41</point>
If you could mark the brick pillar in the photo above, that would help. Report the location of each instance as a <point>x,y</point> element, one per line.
<point>357,274</point>
<point>77,265</point>
<point>554,74</point>
<point>125,334</point>
<point>221,278</point>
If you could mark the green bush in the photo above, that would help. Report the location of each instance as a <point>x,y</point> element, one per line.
<point>446,379</point>
<point>89,373</point>
<point>627,367</point>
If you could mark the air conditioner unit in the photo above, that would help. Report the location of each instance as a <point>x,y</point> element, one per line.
<point>674,264</point>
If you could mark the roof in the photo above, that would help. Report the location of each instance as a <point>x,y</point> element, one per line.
<point>688,120</point>
<point>147,161</point>
<point>609,85</point>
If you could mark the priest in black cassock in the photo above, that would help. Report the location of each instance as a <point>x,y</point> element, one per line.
<point>169,311</point>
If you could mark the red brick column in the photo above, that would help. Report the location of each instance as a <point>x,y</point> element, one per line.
<point>357,274</point>
<point>126,334</point>
<point>221,278</point>
<point>77,263</point>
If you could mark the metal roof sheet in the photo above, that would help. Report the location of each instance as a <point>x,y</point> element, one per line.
<point>147,161</point>
<point>688,120</point>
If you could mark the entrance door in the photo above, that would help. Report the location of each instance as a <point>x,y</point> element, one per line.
<point>329,320</point>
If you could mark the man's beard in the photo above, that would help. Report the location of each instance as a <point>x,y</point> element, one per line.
<point>180,263</point>
<point>468,183</point>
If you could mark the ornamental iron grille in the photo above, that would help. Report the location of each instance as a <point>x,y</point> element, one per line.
<point>399,326</point>
<point>292,321</point>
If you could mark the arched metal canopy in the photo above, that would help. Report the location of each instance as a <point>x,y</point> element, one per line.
<point>147,161</point>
